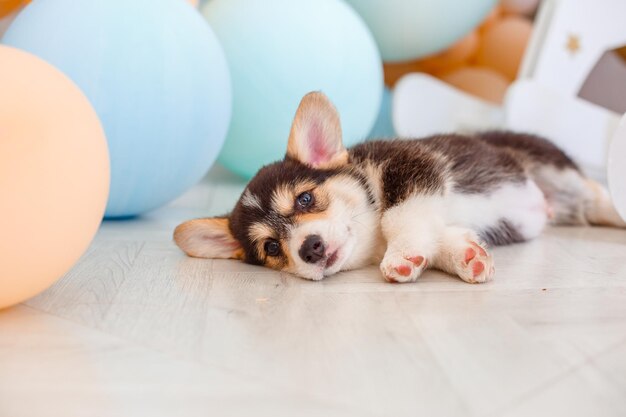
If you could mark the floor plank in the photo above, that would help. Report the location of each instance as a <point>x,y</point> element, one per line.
<point>55,368</point>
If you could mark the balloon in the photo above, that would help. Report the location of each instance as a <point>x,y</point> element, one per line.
<point>503,44</point>
<point>158,79</point>
<point>481,82</point>
<point>7,18</point>
<point>9,6</point>
<point>410,29</point>
<point>5,22</point>
<point>455,56</point>
<point>524,7</point>
<point>383,128</point>
<point>54,175</point>
<point>279,50</point>
<point>494,16</point>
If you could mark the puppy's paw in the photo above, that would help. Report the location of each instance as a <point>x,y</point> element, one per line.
<point>473,263</point>
<point>402,268</point>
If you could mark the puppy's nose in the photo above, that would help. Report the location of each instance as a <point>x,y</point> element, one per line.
<point>312,249</point>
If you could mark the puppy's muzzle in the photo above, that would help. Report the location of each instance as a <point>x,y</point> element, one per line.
<point>312,249</point>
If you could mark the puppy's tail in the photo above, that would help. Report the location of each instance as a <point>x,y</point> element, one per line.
<point>599,209</point>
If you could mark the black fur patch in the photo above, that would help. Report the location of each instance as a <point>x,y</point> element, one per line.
<point>476,167</point>
<point>407,168</point>
<point>531,149</point>
<point>504,233</point>
<point>425,166</point>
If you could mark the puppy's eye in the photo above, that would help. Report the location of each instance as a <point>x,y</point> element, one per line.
<point>304,200</point>
<point>272,247</point>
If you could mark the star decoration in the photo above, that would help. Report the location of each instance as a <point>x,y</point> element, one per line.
<point>573,44</point>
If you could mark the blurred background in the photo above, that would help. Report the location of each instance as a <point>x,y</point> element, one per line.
<point>223,82</point>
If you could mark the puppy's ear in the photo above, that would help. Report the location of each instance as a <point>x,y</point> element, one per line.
<point>315,138</point>
<point>208,238</point>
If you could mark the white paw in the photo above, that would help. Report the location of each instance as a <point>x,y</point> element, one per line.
<point>473,263</point>
<point>397,267</point>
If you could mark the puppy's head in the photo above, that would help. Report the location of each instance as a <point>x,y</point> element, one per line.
<point>310,214</point>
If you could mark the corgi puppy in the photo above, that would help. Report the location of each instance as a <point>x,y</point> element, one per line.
<point>409,205</point>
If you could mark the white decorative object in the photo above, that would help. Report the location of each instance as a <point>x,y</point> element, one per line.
<point>581,128</point>
<point>572,86</point>
<point>617,168</point>
<point>423,105</point>
<point>573,37</point>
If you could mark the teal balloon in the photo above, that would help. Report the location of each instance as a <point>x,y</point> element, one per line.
<point>279,50</point>
<point>411,29</point>
<point>158,79</point>
<point>383,127</point>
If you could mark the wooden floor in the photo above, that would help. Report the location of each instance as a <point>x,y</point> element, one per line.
<point>138,329</point>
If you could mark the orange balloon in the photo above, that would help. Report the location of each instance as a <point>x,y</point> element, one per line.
<point>194,3</point>
<point>503,44</point>
<point>494,16</point>
<point>5,22</point>
<point>455,56</point>
<point>8,6</point>
<point>481,82</point>
<point>524,7</point>
<point>54,175</point>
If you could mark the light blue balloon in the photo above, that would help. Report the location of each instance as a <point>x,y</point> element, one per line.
<point>157,77</point>
<point>410,29</point>
<point>279,50</point>
<point>383,128</point>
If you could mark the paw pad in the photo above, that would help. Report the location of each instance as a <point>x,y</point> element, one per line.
<point>478,268</point>
<point>401,268</point>
<point>469,254</point>
<point>475,264</point>
<point>417,260</point>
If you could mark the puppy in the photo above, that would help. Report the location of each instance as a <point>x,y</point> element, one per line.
<point>409,205</point>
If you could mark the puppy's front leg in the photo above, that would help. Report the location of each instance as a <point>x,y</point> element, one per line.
<point>461,253</point>
<point>413,230</point>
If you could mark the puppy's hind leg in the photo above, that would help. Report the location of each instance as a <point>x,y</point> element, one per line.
<point>461,253</point>
<point>413,231</point>
<point>576,200</point>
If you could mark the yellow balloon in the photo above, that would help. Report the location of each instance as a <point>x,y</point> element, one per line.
<point>54,175</point>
